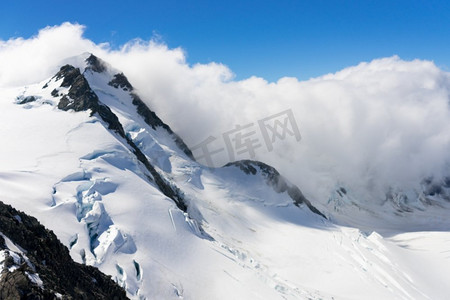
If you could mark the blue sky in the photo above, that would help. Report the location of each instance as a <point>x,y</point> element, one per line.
<point>270,39</point>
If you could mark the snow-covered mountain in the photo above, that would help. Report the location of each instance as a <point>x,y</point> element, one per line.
<point>84,154</point>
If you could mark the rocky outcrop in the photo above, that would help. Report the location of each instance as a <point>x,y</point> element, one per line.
<point>80,96</point>
<point>43,268</point>
<point>276,181</point>
<point>121,81</point>
<point>95,64</point>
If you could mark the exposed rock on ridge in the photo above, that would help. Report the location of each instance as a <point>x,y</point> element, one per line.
<point>48,261</point>
<point>81,97</point>
<point>120,81</point>
<point>276,181</point>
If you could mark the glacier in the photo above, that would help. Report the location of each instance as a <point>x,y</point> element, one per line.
<point>83,154</point>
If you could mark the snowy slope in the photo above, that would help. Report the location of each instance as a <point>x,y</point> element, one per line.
<point>83,154</point>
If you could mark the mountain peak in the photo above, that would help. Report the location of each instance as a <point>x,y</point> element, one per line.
<point>96,64</point>
<point>124,191</point>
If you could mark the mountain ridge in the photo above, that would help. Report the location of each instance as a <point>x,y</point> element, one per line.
<point>98,167</point>
<point>81,97</point>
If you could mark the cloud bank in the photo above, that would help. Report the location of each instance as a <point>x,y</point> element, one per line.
<point>385,123</point>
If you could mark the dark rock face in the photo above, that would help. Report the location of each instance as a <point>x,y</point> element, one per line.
<point>80,96</point>
<point>120,81</point>
<point>95,64</point>
<point>16,285</point>
<point>51,260</point>
<point>2,243</point>
<point>68,73</point>
<point>276,181</point>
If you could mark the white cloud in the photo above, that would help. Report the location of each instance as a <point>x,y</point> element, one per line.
<point>376,124</point>
<point>27,60</point>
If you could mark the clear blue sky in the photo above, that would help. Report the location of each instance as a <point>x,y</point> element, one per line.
<point>264,38</point>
